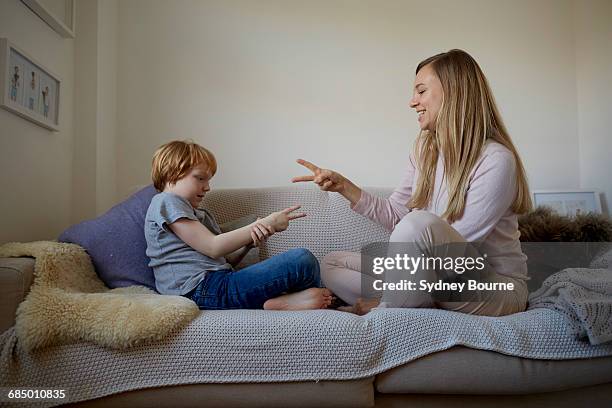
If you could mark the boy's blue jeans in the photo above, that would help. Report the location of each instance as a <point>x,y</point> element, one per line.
<point>249,288</point>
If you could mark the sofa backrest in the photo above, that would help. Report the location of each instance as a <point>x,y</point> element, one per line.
<point>330,224</point>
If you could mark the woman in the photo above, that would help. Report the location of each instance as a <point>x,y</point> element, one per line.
<point>464,183</point>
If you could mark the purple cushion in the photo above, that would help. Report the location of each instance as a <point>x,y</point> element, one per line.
<point>116,243</point>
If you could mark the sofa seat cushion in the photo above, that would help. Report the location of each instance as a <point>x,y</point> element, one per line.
<point>352,393</point>
<point>595,396</point>
<point>462,370</point>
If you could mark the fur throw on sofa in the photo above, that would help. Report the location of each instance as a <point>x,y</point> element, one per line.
<point>544,225</point>
<point>69,303</point>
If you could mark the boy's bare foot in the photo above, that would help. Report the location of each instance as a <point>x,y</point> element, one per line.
<point>313,298</point>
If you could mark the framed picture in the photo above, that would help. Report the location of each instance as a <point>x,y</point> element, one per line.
<point>569,202</point>
<point>27,88</point>
<point>58,14</point>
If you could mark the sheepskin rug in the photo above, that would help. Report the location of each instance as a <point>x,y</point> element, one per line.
<point>68,303</point>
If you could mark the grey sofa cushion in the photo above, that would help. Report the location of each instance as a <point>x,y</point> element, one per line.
<point>461,370</point>
<point>116,243</point>
<point>16,276</point>
<point>593,397</point>
<point>354,393</point>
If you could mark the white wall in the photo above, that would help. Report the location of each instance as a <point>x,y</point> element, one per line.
<point>106,177</point>
<point>86,112</point>
<point>94,168</point>
<point>35,163</point>
<point>594,91</point>
<point>262,83</point>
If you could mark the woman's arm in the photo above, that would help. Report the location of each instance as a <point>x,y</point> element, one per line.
<point>490,194</point>
<point>386,212</point>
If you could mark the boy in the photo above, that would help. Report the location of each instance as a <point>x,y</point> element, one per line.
<point>192,258</point>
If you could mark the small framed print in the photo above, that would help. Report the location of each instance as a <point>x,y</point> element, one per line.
<point>569,202</point>
<point>60,15</point>
<point>27,88</point>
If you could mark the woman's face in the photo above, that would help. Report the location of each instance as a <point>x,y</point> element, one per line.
<point>427,97</point>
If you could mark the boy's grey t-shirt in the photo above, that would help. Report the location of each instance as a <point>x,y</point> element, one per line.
<point>178,268</point>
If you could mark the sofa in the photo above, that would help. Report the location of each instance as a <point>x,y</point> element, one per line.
<point>455,374</point>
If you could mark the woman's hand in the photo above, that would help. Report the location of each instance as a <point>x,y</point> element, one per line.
<point>327,180</point>
<point>279,220</point>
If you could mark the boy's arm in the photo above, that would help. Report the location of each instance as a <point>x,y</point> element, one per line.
<point>197,236</point>
<point>260,232</point>
<point>235,257</point>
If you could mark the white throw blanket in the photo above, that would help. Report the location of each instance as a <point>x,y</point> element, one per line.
<point>584,296</point>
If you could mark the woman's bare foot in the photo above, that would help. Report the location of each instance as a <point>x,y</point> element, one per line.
<point>361,307</point>
<point>313,298</point>
<point>348,309</point>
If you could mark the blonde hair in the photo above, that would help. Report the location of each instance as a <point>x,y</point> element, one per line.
<point>467,119</point>
<point>173,160</point>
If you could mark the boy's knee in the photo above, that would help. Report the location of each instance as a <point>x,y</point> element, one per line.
<point>306,260</point>
<point>303,254</point>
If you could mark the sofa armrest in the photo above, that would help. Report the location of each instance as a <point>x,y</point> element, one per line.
<point>16,277</point>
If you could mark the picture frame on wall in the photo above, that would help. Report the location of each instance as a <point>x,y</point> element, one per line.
<point>60,15</point>
<point>569,202</point>
<point>27,88</point>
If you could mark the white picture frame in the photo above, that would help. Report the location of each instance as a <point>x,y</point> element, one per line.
<point>60,15</point>
<point>569,202</point>
<point>27,88</point>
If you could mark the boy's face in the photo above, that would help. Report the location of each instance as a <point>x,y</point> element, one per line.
<point>193,186</point>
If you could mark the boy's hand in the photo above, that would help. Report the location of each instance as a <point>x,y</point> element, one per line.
<point>260,232</point>
<point>280,220</point>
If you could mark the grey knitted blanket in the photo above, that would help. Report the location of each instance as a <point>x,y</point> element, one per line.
<point>264,346</point>
<point>584,297</point>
